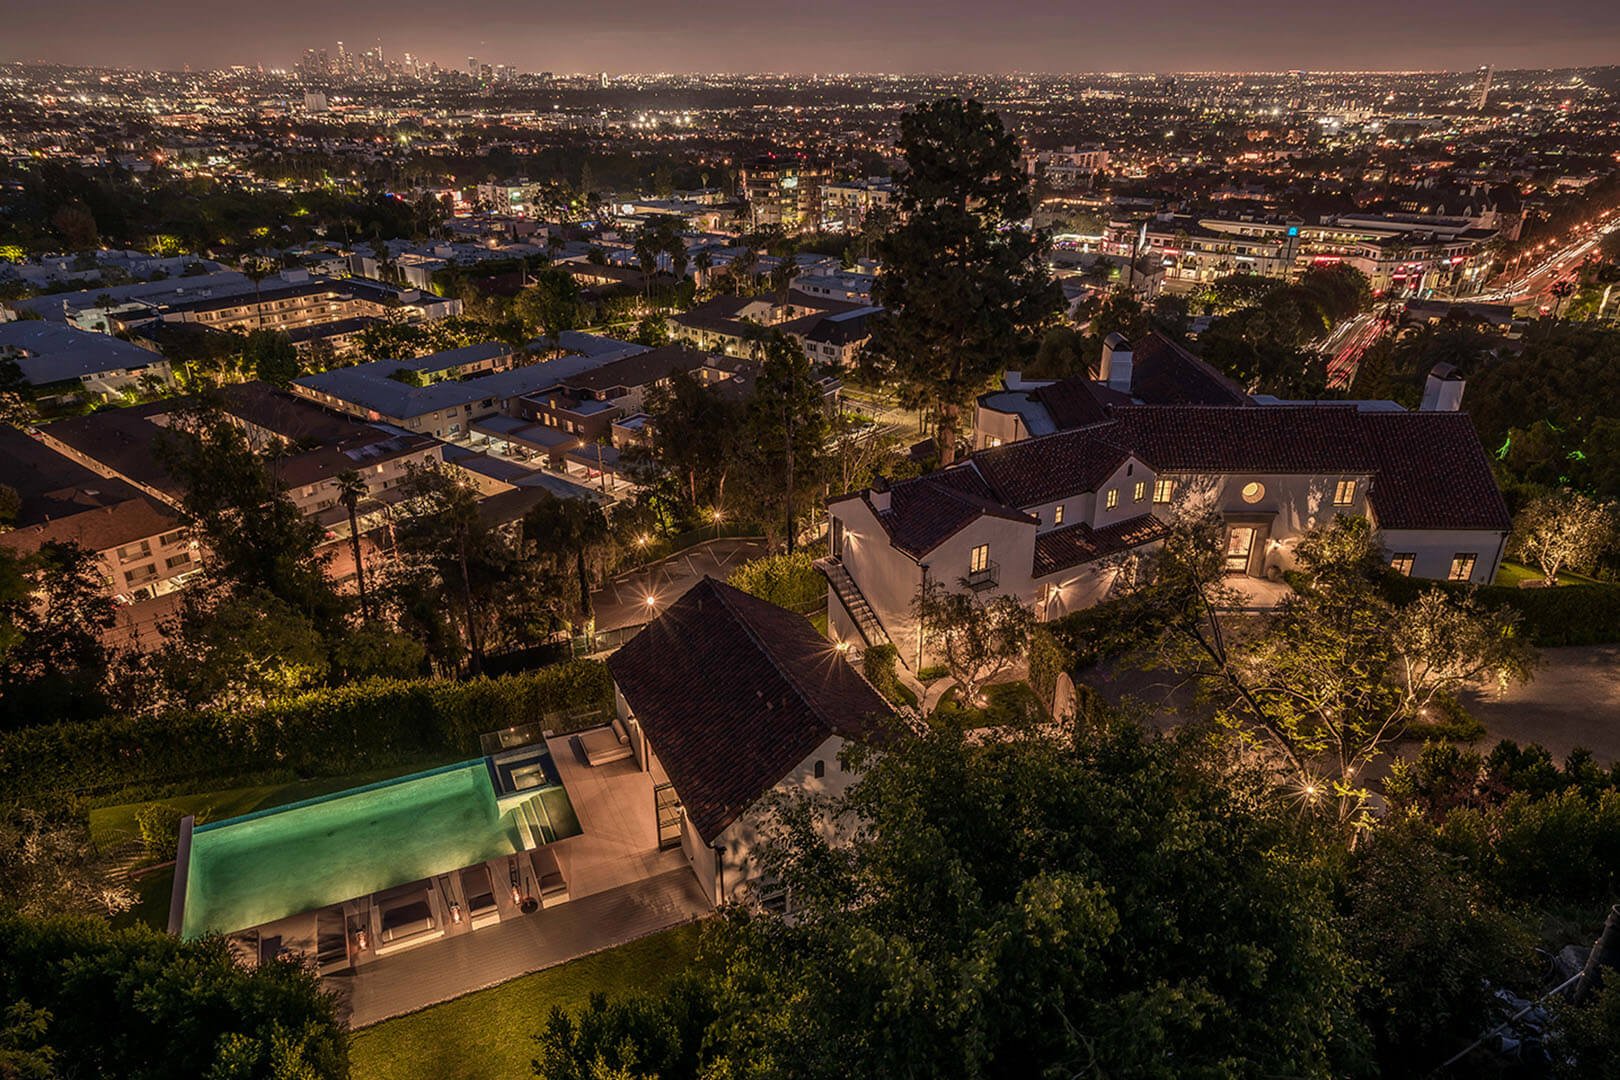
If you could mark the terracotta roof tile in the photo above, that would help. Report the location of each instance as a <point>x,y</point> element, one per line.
<point>1076,544</point>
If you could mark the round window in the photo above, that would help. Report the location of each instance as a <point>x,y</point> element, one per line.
<point>1253,492</point>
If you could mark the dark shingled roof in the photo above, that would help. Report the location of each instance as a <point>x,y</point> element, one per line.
<point>925,512</point>
<point>1428,469</point>
<point>1432,473</point>
<point>1076,544</point>
<point>1164,373</point>
<point>1052,467</point>
<point>734,693</point>
<point>1271,438</point>
<point>1078,401</point>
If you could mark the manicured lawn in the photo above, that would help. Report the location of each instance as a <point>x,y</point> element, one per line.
<point>489,1035</point>
<point>114,825</point>
<point>1512,573</point>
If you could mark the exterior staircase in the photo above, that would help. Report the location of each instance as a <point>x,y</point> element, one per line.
<point>849,594</point>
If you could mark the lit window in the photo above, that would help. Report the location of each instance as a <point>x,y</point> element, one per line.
<point>1402,562</point>
<point>994,441</point>
<point>1344,493</point>
<point>1462,566</point>
<point>1162,490</point>
<point>1141,491</point>
<point>1057,514</point>
<point>1113,498</point>
<point>979,560</point>
<point>1253,491</point>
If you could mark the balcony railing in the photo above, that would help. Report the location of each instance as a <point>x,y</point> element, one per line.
<point>978,580</point>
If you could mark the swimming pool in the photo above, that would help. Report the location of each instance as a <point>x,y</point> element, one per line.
<point>264,866</point>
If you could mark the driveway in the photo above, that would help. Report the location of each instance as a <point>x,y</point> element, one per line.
<point>1574,700</point>
<point>623,600</point>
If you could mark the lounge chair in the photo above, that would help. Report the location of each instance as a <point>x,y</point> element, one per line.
<point>548,876</point>
<point>475,883</point>
<point>605,744</point>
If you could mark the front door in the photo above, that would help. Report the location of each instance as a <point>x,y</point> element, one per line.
<point>1239,545</point>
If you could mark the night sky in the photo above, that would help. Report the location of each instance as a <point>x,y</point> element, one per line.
<point>830,35</point>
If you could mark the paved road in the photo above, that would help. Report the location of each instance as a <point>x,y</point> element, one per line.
<point>623,600</point>
<point>1574,700</point>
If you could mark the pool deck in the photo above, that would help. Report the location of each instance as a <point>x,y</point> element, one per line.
<point>621,887</point>
<point>395,985</point>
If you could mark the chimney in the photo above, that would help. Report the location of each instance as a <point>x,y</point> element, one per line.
<point>880,493</point>
<point>1443,389</point>
<point>1115,369</point>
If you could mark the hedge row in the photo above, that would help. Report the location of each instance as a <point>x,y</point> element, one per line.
<point>1564,615</point>
<point>369,725</point>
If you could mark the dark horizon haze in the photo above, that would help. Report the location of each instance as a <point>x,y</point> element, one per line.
<point>836,35</point>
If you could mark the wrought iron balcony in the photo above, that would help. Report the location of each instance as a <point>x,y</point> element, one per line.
<point>979,580</point>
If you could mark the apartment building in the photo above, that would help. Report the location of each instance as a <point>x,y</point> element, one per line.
<point>1066,168</point>
<point>140,542</point>
<point>784,191</point>
<point>846,204</point>
<point>1406,255</point>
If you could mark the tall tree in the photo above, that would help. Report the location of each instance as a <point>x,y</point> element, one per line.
<point>963,280</point>
<point>256,536</point>
<point>786,438</point>
<point>570,530</point>
<point>54,611</point>
<point>351,489</point>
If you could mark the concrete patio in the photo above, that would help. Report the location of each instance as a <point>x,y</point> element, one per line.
<point>395,985</point>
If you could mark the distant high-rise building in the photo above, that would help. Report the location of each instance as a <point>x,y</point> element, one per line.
<point>1482,88</point>
<point>472,66</point>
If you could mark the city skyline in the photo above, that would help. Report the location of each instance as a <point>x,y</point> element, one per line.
<point>906,38</point>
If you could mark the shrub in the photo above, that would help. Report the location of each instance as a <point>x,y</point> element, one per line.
<point>143,1005</point>
<point>158,825</point>
<point>326,732</point>
<point>879,664</point>
<point>786,580</point>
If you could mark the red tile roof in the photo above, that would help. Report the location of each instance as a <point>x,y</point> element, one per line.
<point>1076,544</point>
<point>1272,438</point>
<point>734,693</point>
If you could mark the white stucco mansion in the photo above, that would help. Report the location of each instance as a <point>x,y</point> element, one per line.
<point>1073,474</point>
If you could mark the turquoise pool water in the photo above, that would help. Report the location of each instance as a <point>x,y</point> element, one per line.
<point>267,865</point>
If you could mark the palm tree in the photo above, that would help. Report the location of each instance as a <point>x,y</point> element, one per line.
<point>351,489</point>
<point>703,262</point>
<point>1561,291</point>
<point>256,270</point>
